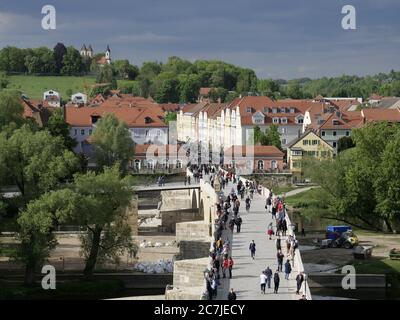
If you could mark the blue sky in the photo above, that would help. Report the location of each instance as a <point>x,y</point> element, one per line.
<point>278,39</point>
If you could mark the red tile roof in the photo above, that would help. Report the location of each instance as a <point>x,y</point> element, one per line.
<point>132,116</point>
<point>378,114</point>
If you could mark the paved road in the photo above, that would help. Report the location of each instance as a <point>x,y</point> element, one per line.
<point>246,272</point>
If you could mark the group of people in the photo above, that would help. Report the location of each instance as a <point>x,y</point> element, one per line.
<point>276,206</point>
<point>228,217</point>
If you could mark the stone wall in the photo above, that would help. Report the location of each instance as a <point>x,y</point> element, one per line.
<point>197,230</point>
<point>177,199</point>
<point>169,219</point>
<point>193,249</point>
<point>132,215</point>
<point>190,273</point>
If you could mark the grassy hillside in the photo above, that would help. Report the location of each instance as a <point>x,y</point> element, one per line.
<point>34,86</point>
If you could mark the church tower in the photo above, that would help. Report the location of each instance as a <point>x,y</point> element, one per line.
<point>108,55</point>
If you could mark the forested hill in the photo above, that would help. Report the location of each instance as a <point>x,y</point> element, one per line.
<point>179,80</point>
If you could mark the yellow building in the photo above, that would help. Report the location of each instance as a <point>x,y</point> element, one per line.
<point>308,145</point>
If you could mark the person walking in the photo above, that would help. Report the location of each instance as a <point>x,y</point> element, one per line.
<point>278,244</point>
<point>238,222</point>
<point>279,257</point>
<point>268,274</point>
<point>263,282</point>
<point>225,266</point>
<point>276,281</point>
<point>252,248</point>
<point>288,269</point>
<point>232,295</point>
<point>230,266</point>
<point>299,282</point>
<point>270,231</point>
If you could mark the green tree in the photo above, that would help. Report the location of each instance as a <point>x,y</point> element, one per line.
<point>345,143</point>
<point>35,162</point>
<point>189,86</point>
<point>106,75</point>
<point>218,94</point>
<point>59,52</point>
<point>273,137</point>
<point>4,81</point>
<point>59,128</point>
<point>73,64</point>
<point>102,209</point>
<point>387,184</point>
<point>11,110</point>
<point>168,91</point>
<point>112,142</point>
<point>170,116</point>
<point>37,223</point>
<point>247,81</point>
<point>293,90</point>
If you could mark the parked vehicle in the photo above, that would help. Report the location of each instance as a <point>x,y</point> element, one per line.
<point>341,237</point>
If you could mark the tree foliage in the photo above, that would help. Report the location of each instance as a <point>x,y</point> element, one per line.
<point>363,181</point>
<point>112,142</point>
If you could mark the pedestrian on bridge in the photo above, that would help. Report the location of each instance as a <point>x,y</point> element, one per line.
<point>288,269</point>
<point>232,295</point>
<point>252,248</point>
<point>263,282</point>
<point>268,273</point>
<point>238,222</point>
<point>276,281</point>
<point>279,257</point>
<point>230,266</point>
<point>299,282</point>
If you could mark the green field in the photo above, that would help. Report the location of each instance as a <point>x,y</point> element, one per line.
<point>34,86</point>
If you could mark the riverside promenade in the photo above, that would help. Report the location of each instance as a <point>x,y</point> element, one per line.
<point>246,271</point>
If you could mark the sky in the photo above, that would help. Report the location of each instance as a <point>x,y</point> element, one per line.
<point>282,39</point>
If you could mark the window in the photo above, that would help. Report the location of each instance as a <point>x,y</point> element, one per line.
<point>283,110</point>
<point>147,120</point>
<point>75,132</point>
<point>274,110</point>
<point>334,133</point>
<point>248,109</point>
<point>283,130</point>
<point>297,153</point>
<point>347,133</point>
<point>95,119</point>
<point>323,133</point>
<point>292,110</point>
<point>90,131</point>
<point>299,120</point>
<point>260,165</point>
<point>296,164</point>
<point>305,142</point>
<point>266,109</point>
<point>158,133</point>
<point>275,120</point>
<point>284,120</point>
<point>284,141</point>
<point>315,142</point>
<point>334,144</point>
<point>335,122</point>
<point>82,132</point>
<point>274,164</point>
